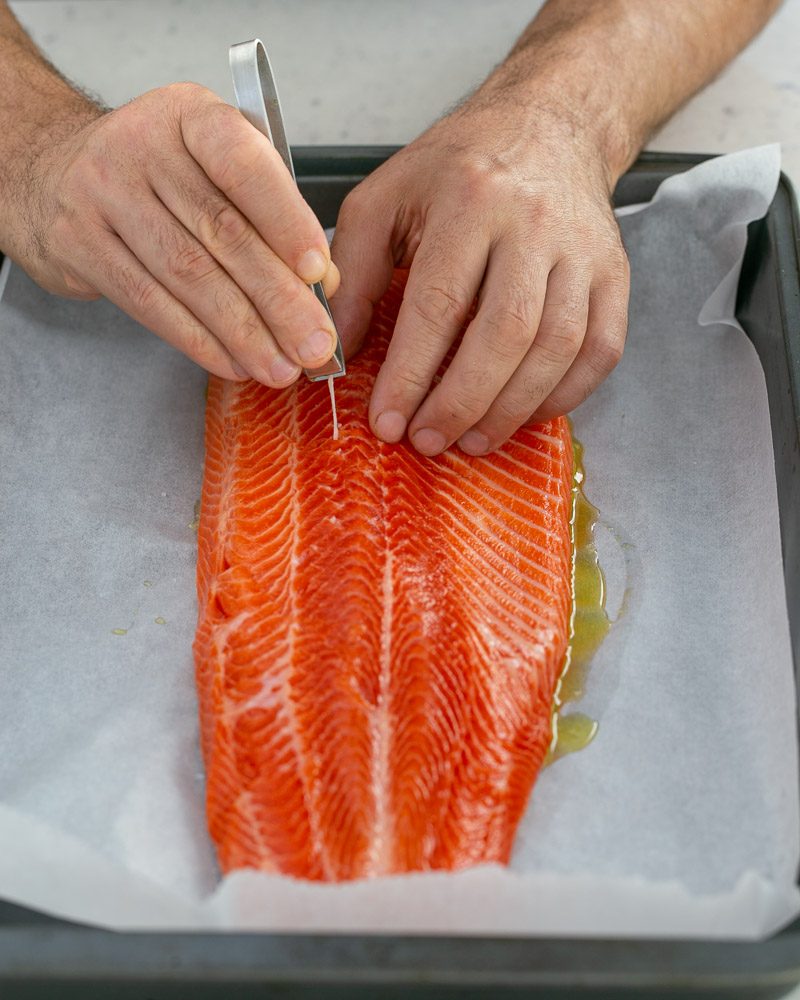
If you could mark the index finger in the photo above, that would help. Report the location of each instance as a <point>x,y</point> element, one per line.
<point>245,165</point>
<point>362,248</point>
<point>445,276</point>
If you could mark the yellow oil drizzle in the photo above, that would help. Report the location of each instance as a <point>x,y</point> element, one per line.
<point>194,524</point>
<point>160,620</point>
<point>589,623</point>
<point>119,631</point>
<point>571,732</point>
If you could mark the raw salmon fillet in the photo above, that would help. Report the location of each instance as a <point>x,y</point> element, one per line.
<point>380,634</point>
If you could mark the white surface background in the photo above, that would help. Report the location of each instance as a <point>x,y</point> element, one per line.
<point>356,71</point>
<point>361,71</point>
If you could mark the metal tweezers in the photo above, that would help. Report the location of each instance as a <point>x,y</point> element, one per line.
<point>257,99</point>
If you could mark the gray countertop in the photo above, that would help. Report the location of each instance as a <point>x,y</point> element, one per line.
<point>357,71</point>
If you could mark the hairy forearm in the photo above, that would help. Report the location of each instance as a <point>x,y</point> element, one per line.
<point>32,91</point>
<point>616,69</point>
<point>37,107</point>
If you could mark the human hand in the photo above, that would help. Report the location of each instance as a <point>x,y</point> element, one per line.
<point>520,218</point>
<point>184,215</point>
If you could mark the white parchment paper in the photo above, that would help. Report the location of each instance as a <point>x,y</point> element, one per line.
<point>681,818</point>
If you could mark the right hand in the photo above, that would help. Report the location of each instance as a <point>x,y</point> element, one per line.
<point>178,210</point>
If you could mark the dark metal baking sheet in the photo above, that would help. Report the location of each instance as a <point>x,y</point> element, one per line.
<point>41,957</point>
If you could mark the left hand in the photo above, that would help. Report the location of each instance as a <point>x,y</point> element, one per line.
<point>482,205</point>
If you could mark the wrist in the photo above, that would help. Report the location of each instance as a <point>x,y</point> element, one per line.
<point>555,99</point>
<point>39,110</point>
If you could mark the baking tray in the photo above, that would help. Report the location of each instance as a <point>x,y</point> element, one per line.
<point>41,957</point>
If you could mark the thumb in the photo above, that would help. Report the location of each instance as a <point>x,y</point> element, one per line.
<point>362,251</point>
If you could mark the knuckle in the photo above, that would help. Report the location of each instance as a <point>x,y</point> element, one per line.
<point>186,92</point>
<point>513,409</point>
<point>77,286</point>
<point>224,229</point>
<point>564,326</point>
<point>288,303</point>
<point>606,354</point>
<point>561,344</point>
<point>568,394</point>
<point>204,121</point>
<point>141,289</point>
<point>466,397</point>
<point>249,329</point>
<point>565,339</point>
<point>462,408</point>
<point>199,345</point>
<point>509,332</point>
<point>410,381</point>
<point>194,110</point>
<point>481,180</point>
<point>441,305</point>
<point>190,264</point>
<point>227,305</point>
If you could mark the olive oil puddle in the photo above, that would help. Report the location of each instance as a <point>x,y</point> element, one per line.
<point>589,623</point>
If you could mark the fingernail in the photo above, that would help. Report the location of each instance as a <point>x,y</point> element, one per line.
<point>239,370</point>
<point>317,347</point>
<point>390,426</point>
<point>429,442</point>
<point>282,370</point>
<point>474,443</point>
<point>312,266</point>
